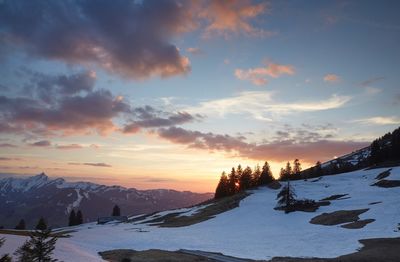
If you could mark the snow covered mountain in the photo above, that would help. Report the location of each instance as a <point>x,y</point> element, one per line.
<point>32,197</point>
<point>363,205</point>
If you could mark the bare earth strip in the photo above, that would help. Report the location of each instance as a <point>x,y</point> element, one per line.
<point>377,250</point>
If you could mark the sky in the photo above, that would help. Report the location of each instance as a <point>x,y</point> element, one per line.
<point>168,94</point>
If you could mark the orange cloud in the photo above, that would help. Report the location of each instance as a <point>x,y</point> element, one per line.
<point>258,75</point>
<point>331,78</point>
<point>232,16</point>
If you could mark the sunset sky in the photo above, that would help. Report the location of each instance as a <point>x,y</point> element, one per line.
<point>168,94</point>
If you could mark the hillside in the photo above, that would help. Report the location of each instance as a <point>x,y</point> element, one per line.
<point>32,197</point>
<point>365,205</point>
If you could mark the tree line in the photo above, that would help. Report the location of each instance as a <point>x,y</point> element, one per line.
<point>74,219</point>
<point>386,148</point>
<point>240,179</point>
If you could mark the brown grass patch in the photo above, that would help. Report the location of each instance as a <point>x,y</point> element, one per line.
<point>338,217</point>
<point>215,207</point>
<point>152,255</point>
<point>335,197</point>
<point>384,174</point>
<point>387,183</point>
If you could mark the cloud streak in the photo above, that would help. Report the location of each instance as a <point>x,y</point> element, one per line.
<point>310,150</point>
<point>261,106</point>
<point>91,164</point>
<point>258,76</point>
<point>378,120</point>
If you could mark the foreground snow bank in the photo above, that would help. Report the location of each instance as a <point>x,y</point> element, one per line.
<point>254,230</point>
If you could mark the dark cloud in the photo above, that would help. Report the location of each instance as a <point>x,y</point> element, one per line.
<point>7,145</point>
<point>68,114</point>
<point>310,150</point>
<point>68,147</point>
<point>129,38</point>
<point>67,104</point>
<point>91,164</point>
<point>47,87</point>
<point>41,143</point>
<point>8,158</point>
<point>148,117</point>
<point>196,139</point>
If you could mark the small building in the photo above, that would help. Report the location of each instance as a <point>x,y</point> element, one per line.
<point>104,220</point>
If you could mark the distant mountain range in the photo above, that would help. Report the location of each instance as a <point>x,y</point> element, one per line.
<point>32,197</point>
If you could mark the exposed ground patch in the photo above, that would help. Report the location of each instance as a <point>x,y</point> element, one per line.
<point>374,203</point>
<point>152,255</point>
<point>338,217</point>
<point>336,197</point>
<point>213,208</point>
<point>377,250</point>
<point>384,174</point>
<point>387,183</point>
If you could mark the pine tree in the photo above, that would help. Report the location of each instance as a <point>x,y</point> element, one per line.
<point>41,225</point>
<point>79,217</point>
<point>286,197</point>
<point>296,168</point>
<point>21,225</point>
<point>256,176</point>
<point>24,253</point>
<point>288,170</point>
<point>6,257</point>
<point>222,189</point>
<point>116,211</point>
<point>375,152</point>
<point>245,179</point>
<point>239,172</point>
<point>266,175</point>
<point>38,248</point>
<point>72,218</point>
<point>232,182</point>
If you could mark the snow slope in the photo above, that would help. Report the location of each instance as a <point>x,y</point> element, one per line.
<point>254,230</point>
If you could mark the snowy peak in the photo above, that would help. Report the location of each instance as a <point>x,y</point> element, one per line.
<point>23,184</point>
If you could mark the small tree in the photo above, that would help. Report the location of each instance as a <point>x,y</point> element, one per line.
<point>41,225</point>
<point>79,217</point>
<point>38,248</point>
<point>72,218</point>
<point>256,176</point>
<point>222,189</point>
<point>232,182</point>
<point>245,179</point>
<point>21,225</point>
<point>286,197</point>
<point>266,175</point>
<point>116,211</point>
<point>6,257</point>
<point>296,167</point>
